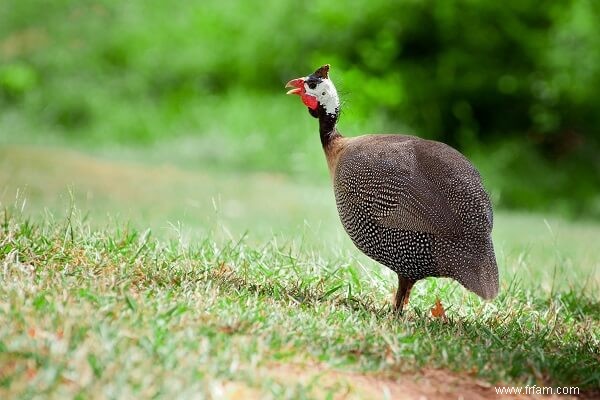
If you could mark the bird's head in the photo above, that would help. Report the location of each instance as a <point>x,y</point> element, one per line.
<point>316,90</point>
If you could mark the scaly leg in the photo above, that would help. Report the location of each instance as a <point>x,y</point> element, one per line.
<point>404,286</point>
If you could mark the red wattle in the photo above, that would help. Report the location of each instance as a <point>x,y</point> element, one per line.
<point>309,101</point>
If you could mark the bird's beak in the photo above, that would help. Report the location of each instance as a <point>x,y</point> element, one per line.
<point>297,85</point>
<point>298,88</point>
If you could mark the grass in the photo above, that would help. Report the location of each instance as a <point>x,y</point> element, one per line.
<point>118,313</point>
<point>160,256</point>
<point>220,282</point>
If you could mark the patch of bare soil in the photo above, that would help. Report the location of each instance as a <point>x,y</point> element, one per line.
<point>429,384</point>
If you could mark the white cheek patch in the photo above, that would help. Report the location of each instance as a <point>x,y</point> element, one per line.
<point>326,95</point>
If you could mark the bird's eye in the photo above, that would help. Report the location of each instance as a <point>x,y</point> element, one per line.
<point>312,85</point>
<point>323,94</point>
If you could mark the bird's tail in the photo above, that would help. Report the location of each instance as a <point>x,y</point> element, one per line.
<point>475,267</point>
<point>483,279</point>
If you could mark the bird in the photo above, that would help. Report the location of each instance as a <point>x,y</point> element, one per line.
<point>416,206</point>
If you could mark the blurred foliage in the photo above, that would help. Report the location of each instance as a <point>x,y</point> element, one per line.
<point>514,84</point>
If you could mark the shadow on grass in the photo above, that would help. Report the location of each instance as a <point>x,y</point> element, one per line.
<point>513,344</point>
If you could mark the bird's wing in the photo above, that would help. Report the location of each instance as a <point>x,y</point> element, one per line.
<point>411,202</point>
<point>396,193</point>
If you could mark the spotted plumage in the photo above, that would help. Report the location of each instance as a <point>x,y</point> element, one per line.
<point>416,206</point>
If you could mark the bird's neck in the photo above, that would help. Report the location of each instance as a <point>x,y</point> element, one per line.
<point>327,122</point>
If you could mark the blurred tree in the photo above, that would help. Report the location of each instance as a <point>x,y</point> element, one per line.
<point>515,81</point>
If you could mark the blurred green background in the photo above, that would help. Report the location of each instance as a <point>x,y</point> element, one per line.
<point>513,84</point>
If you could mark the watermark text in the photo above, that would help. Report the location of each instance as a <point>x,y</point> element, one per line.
<point>542,390</point>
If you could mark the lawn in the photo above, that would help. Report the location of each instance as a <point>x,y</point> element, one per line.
<point>168,227</point>
<point>127,279</point>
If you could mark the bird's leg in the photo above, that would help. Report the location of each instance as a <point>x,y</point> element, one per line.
<point>404,286</point>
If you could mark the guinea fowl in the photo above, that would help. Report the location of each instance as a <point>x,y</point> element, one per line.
<point>416,206</point>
